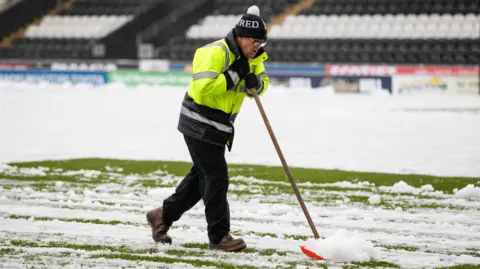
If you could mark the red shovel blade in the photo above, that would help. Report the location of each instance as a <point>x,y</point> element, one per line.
<point>311,254</point>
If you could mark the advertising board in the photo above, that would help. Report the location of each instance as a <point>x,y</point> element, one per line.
<point>411,84</point>
<point>70,64</point>
<point>134,78</point>
<point>154,65</point>
<point>390,70</point>
<point>84,66</point>
<point>341,84</point>
<point>438,70</point>
<point>360,70</point>
<point>36,76</point>
<point>7,65</point>
<point>272,68</point>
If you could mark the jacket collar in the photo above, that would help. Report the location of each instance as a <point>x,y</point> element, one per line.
<point>232,44</point>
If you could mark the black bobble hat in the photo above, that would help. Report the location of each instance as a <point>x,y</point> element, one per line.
<point>251,25</point>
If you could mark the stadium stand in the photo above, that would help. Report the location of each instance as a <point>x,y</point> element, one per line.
<point>108,7</point>
<point>416,7</point>
<point>216,25</point>
<point>5,3</point>
<point>174,23</point>
<point>77,26</point>
<point>322,31</point>
<point>388,26</point>
<point>363,31</point>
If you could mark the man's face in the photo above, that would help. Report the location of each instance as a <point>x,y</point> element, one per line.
<point>250,46</point>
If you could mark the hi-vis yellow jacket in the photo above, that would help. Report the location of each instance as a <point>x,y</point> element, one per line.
<point>209,109</point>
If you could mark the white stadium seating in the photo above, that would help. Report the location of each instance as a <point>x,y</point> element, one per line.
<point>400,26</point>
<point>76,26</point>
<point>3,4</point>
<point>212,26</point>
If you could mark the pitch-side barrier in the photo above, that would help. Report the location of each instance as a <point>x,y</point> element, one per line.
<point>340,78</point>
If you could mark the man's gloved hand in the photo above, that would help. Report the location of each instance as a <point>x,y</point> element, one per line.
<point>236,72</point>
<point>252,82</point>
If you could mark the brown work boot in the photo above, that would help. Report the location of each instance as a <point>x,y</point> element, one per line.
<point>228,244</point>
<point>159,228</point>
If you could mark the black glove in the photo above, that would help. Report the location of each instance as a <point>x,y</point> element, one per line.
<point>236,72</point>
<point>252,81</point>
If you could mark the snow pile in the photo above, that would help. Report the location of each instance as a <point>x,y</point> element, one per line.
<point>427,187</point>
<point>470,191</point>
<point>130,179</point>
<point>92,173</point>
<point>113,169</point>
<point>23,171</point>
<point>159,192</point>
<point>403,187</point>
<point>375,199</point>
<point>349,184</point>
<point>279,209</point>
<point>344,246</point>
<point>88,193</point>
<point>5,167</point>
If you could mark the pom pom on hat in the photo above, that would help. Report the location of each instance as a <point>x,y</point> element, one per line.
<point>253,10</point>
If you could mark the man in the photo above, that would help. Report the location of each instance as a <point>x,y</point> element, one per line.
<point>224,73</point>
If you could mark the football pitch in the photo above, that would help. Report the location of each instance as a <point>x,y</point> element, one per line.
<point>83,213</point>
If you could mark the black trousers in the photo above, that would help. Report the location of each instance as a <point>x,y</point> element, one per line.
<point>207,180</point>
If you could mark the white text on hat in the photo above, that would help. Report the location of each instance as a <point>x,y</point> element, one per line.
<point>248,24</point>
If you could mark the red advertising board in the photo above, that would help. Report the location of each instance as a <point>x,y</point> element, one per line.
<point>387,70</point>
<point>439,70</point>
<point>15,66</point>
<point>360,70</point>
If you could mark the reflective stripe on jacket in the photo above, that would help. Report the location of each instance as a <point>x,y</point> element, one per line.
<point>209,108</point>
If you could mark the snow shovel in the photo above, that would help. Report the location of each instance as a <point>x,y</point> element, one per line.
<point>307,252</point>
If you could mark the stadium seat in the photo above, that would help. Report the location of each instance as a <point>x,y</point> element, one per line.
<point>330,31</point>
<point>76,26</point>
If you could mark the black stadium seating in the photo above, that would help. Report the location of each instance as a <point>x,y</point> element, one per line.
<point>393,51</point>
<point>350,7</point>
<point>423,50</point>
<point>451,27</point>
<point>108,7</point>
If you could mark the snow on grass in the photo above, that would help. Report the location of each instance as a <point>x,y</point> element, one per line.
<point>470,191</point>
<point>28,172</point>
<point>375,199</point>
<point>360,231</point>
<point>403,187</point>
<point>341,184</point>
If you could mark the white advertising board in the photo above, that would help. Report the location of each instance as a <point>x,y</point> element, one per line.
<point>406,84</point>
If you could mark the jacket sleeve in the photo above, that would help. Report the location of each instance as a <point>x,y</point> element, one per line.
<point>264,80</point>
<point>207,77</point>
